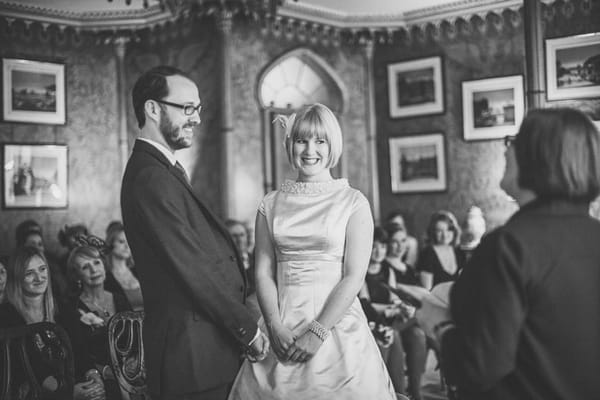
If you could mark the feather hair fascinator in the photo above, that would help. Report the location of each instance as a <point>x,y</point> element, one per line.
<point>286,122</point>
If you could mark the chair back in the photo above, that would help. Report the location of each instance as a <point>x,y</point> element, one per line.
<point>26,352</point>
<point>127,351</point>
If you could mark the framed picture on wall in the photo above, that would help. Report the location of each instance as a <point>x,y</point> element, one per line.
<point>416,87</point>
<point>418,163</point>
<point>33,91</point>
<point>492,108</point>
<point>35,176</point>
<point>573,67</point>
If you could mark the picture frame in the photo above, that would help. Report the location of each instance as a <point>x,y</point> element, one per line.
<point>418,163</point>
<point>416,87</point>
<point>35,176</point>
<point>33,91</point>
<point>571,72</point>
<point>493,107</point>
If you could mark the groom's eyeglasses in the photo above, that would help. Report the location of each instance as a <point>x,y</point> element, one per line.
<point>188,108</point>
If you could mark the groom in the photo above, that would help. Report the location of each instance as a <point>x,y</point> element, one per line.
<point>193,282</point>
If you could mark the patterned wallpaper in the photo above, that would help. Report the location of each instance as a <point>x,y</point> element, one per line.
<point>90,132</point>
<point>475,168</point>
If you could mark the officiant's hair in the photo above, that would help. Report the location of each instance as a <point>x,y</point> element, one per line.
<point>318,121</point>
<point>558,154</point>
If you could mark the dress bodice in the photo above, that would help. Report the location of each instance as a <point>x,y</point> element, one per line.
<point>308,220</point>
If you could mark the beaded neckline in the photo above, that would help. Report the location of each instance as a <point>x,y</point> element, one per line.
<point>290,186</point>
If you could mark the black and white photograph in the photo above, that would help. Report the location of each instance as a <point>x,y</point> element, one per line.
<point>573,67</point>
<point>492,107</point>
<point>417,163</point>
<point>299,200</point>
<point>33,91</point>
<point>35,176</point>
<point>416,87</point>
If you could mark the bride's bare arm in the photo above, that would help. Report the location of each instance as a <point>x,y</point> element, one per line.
<point>266,288</point>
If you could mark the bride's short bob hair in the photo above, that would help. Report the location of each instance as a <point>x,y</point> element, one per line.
<point>317,121</point>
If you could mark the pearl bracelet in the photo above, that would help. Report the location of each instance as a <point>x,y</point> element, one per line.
<point>318,329</point>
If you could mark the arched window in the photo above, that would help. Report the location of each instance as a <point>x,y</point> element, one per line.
<point>295,79</point>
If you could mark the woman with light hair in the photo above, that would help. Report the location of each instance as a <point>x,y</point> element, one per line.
<point>313,244</point>
<point>442,259</point>
<point>30,300</point>
<point>524,315</point>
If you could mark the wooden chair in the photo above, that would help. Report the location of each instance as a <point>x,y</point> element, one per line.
<point>127,352</point>
<point>31,355</point>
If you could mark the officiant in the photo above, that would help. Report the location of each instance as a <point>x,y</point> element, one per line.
<point>524,314</point>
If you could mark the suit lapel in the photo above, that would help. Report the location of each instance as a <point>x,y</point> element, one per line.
<point>140,145</point>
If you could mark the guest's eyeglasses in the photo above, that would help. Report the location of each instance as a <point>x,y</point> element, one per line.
<point>508,140</point>
<point>188,108</point>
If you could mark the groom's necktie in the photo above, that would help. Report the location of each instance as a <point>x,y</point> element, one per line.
<point>181,170</point>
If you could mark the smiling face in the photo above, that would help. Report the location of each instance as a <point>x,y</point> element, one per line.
<point>35,278</point>
<point>398,244</point>
<point>176,127</point>
<point>90,271</point>
<point>120,247</point>
<point>443,235</point>
<point>378,251</point>
<point>311,157</point>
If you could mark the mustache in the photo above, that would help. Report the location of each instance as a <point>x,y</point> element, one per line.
<point>190,124</point>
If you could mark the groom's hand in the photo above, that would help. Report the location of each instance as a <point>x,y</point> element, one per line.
<point>259,348</point>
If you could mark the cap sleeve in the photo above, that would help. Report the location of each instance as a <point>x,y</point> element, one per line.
<point>267,203</point>
<point>359,202</point>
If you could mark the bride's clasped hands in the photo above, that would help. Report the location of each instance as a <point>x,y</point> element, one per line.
<point>293,346</point>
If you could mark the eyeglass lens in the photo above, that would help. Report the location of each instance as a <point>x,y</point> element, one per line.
<point>189,109</point>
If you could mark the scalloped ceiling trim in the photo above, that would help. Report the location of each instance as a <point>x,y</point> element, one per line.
<point>430,14</point>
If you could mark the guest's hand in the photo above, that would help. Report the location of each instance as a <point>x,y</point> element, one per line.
<point>259,349</point>
<point>304,348</point>
<point>281,339</point>
<point>430,314</point>
<point>89,390</point>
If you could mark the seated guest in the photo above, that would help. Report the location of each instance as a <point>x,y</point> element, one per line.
<point>412,253</point>
<point>376,290</point>
<point>442,259</point>
<point>241,239</point>
<point>67,239</point>
<point>121,276</point>
<point>29,233</point>
<point>524,316</point>
<point>30,301</point>
<point>93,308</point>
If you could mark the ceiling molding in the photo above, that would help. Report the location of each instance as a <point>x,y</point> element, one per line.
<point>450,11</point>
<point>117,19</point>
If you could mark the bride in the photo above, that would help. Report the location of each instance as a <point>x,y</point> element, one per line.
<point>313,242</point>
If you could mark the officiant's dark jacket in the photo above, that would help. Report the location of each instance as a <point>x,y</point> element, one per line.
<point>527,309</point>
<point>192,281</point>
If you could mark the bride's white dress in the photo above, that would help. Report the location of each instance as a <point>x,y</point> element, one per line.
<point>307,222</point>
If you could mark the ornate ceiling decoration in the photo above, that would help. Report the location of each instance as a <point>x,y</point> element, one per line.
<point>291,21</point>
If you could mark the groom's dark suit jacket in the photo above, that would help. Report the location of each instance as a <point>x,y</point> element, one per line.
<point>192,281</point>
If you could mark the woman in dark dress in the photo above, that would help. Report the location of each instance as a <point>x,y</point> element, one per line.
<point>30,301</point>
<point>93,308</point>
<point>442,259</point>
<point>121,276</point>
